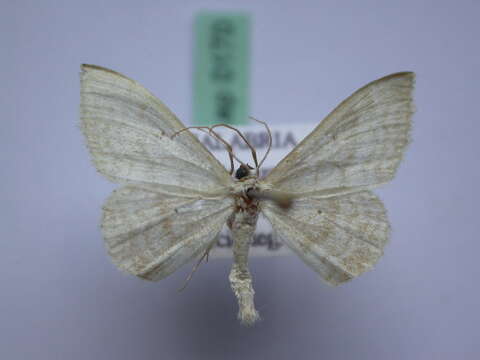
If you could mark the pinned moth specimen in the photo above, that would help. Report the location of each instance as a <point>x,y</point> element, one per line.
<point>175,196</point>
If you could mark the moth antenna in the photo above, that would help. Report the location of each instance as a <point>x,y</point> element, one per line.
<point>269,138</point>
<point>188,128</point>
<point>227,145</point>
<point>254,153</point>
<point>195,268</point>
<point>209,131</point>
<point>231,154</point>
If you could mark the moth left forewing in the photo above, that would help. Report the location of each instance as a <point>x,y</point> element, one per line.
<point>150,234</point>
<point>339,237</point>
<point>129,134</point>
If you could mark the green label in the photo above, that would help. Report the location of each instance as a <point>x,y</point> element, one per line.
<point>221,68</point>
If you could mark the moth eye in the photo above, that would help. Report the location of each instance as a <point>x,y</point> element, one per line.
<point>241,172</point>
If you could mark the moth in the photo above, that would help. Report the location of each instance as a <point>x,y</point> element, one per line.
<point>175,196</point>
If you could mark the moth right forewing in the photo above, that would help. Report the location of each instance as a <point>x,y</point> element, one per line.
<point>359,145</point>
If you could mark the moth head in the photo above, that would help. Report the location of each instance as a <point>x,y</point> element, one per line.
<point>242,172</point>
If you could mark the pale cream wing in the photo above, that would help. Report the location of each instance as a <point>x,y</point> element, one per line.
<point>150,234</point>
<point>358,146</point>
<point>339,237</point>
<point>129,135</point>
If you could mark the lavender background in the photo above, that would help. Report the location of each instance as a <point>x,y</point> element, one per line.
<point>62,299</point>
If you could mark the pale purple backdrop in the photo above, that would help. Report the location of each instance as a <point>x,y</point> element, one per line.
<point>61,298</point>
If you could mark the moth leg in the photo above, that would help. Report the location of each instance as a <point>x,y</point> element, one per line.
<point>282,199</point>
<point>197,265</point>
